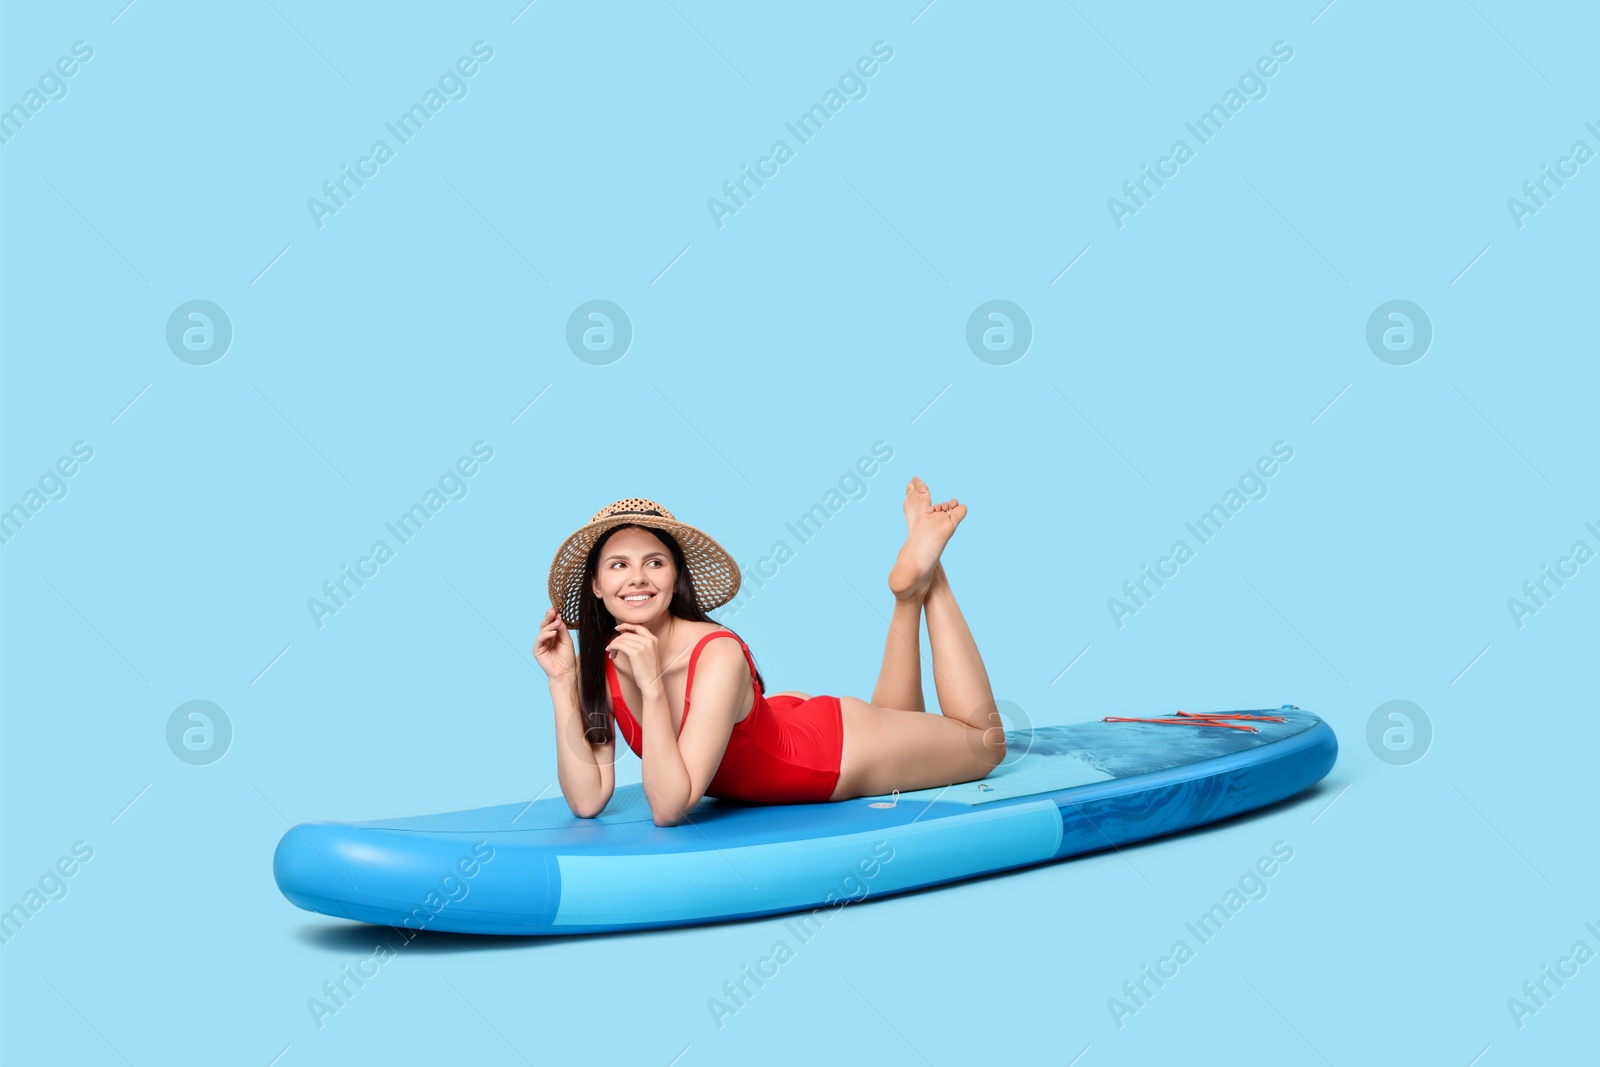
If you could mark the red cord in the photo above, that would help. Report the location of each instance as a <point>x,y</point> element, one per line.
<point>1252,718</point>
<point>1184,722</point>
<point>1190,719</point>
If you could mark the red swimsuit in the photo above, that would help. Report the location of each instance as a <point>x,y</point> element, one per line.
<point>786,751</point>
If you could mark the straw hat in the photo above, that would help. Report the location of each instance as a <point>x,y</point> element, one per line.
<point>712,572</point>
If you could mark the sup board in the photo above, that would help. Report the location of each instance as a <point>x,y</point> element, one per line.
<point>532,867</point>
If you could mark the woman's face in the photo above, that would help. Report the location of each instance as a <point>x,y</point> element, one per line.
<point>635,564</point>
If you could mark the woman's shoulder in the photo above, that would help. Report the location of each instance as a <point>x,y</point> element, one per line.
<point>707,646</point>
<point>702,630</point>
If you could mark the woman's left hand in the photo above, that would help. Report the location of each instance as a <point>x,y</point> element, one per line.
<point>640,646</point>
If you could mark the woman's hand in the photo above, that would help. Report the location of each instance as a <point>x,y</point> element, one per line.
<point>553,648</point>
<point>640,645</point>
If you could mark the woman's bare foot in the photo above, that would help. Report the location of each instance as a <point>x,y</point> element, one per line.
<point>928,529</point>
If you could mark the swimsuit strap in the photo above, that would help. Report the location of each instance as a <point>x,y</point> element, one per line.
<point>618,703</point>
<point>688,685</point>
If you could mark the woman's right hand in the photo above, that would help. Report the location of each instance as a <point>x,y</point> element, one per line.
<point>553,647</point>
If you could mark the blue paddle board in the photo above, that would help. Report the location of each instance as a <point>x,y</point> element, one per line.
<point>535,868</point>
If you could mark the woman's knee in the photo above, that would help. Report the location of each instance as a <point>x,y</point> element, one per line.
<point>987,745</point>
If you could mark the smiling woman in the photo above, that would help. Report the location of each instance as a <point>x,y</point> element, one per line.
<point>636,583</point>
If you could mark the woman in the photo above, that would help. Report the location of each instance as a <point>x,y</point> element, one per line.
<point>636,584</point>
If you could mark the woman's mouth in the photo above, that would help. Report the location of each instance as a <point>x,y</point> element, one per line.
<point>638,598</point>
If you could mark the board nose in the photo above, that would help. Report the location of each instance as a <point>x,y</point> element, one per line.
<point>442,881</point>
<point>306,872</point>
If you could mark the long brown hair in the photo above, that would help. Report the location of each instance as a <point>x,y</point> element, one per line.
<point>597,626</point>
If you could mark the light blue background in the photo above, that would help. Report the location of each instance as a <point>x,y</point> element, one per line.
<point>769,355</point>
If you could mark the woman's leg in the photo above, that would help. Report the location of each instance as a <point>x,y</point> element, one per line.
<point>900,677</point>
<point>928,527</point>
<point>918,575</point>
<point>958,672</point>
<point>885,750</point>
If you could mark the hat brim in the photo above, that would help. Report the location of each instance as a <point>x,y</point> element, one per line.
<point>713,572</point>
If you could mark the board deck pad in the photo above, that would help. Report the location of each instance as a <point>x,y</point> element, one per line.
<point>535,868</point>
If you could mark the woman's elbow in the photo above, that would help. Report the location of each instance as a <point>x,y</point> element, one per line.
<point>675,816</point>
<point>589,810</point>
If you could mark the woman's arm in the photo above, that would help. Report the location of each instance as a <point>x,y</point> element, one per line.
<point>678,768</point>
<point>586,772</point>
